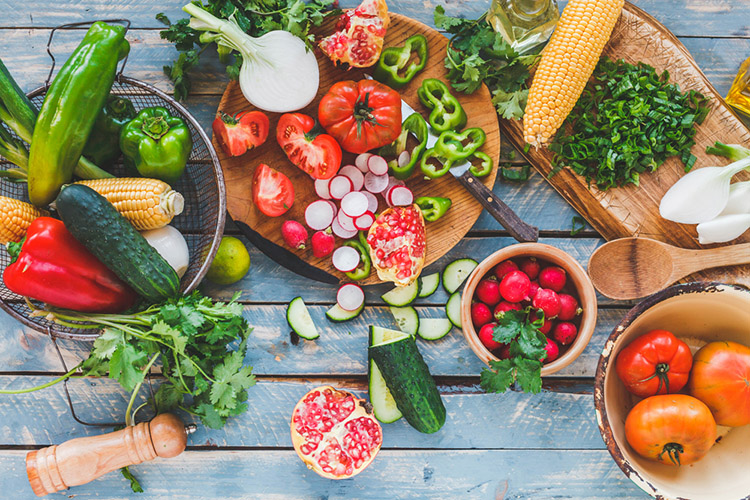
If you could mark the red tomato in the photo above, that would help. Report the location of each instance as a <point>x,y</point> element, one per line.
<point>241,132</point>
<point>318,155</point>
<point>721,379</point>
<point>273,192</point>
<point>361,115</point>
<point>654,363</point>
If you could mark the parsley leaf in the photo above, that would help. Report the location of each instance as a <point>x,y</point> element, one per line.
<point>125,365</point>
<point>134,484</point>
<point>498,377</point>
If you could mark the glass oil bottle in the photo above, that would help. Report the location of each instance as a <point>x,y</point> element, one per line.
<point>525,24</point>
<point>739,93</point>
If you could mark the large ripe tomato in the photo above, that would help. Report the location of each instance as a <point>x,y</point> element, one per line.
<point>674,429</point>
<point>721,379</point>
<point>654,363</point>
<point>361,115</point>
<point>241,132</point>
<point>273,192</point>
<point>318,155</point>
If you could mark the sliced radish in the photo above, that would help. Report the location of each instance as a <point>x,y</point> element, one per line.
<point>393,182</point>
<point>350,297</point>
<point>372,201</point>
<point>334,207</point>
<point>375,183</point>
<point>345,259</point>
<point>364,221</point>
<point>346,222</point>
<point>321,189</point>
<point>404,158</point>
<point>361,162</point>
<point>338,186</point>
<point>401,196</point>
<point>377,165</point>
<point>319,215</point>
<point>341,232</point>
<point>354,175</point>
<point>354,204</point>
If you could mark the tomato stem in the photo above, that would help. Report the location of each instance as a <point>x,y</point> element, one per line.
<point>661,370</point>
<point>673,450</point>
<point>363,113</point>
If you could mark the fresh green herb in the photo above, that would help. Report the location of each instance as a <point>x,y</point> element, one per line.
<point>511,155</point>
<point>734,152</point>
<point>577,224</point>
<point>134,484</point>
<point>629,120</point>
<point>527,349</point>
<point>521,174</point>
<point>477,54</point>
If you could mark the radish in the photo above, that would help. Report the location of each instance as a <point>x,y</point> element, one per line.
<point>548,301</point>
<point>338,186</point>
<point>404,158</point>
<point>393,182</point>
<point>514,286</point>
<point>364,221</point>
<point>350,296</point>
<point>377,165</point>
<point>346,222</point>
<point>552,277</point>
<point>361,162</point>
<point>341,232</point>
<point>294,234</point>
<point>375,183</point>
<point>354,175</point>
<point>345,259</point>
<point>334,207</point>
<point>321,189</point>
<point>401,196</point>
<point>319,215</point>
<point>372,201</point>
<point>354,204</point>
<point>322,243</point>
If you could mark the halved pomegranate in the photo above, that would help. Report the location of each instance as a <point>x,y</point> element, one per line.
<point>397,244</point>
<point>359,35</point>
<point>335,433</point>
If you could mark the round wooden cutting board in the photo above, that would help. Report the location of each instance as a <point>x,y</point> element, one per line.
<point>441,235</point>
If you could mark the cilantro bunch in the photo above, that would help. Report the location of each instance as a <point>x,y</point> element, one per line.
<point>520,329</point>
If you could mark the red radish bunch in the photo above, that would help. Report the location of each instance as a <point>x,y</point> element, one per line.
<point>488,291</point>
<point>485,336</point>
<point>480,314</point>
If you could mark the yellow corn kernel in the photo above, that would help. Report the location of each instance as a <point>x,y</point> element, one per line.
<point>15,218</point>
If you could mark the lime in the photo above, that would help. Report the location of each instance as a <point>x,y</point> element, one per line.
<point>231,263</point>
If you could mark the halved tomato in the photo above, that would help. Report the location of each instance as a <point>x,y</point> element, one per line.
<point>316,154</point>
<point>273,192</point>
<point>241,132</point>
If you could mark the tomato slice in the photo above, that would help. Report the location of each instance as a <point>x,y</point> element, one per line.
<point>318,155</point>
<point>241,132</point>
<point>273,192</point>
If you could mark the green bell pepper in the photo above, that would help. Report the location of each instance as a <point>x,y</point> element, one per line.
<point>433,207</point>
<point>390,67</point>
<point>157,144</point>
<point>454,146</point>
<point>103,146</point>
<point>481,164</point>
<point>436,169</point>
<point>362,271</point>
<point>414,124</point>
<point>447,113</point>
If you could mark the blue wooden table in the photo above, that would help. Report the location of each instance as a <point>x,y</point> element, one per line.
<point>492,446</point>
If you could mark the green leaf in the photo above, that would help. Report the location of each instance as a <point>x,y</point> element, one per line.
<point>448,23</point>
<point>578,223</point>
<point>209,416</point>
<point>107,342</point>
<point>179,339</point>
<point>531,344</point>
<point>499,377</point>
<point>508,326</point>
<point>510,105</point>
<point>167,397</point>
<point>529,374</point>
<point>125,366</point>
<point>134,484</point>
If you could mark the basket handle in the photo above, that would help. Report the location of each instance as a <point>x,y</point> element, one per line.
<point>126,22</point>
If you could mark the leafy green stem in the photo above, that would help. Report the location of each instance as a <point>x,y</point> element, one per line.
<point>128,416</point>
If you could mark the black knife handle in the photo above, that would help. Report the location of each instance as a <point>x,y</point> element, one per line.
<point>499,210</point>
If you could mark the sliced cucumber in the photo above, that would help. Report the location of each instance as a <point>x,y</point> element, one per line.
<point>456,273</point>
<point>428,284</point>
<point>434,328</point>
<point>338,315</point>
<point>453,309</point>
<point>300,320</point>
<point>402,295</point>
<point>407,319</point>
<point>383,405</point>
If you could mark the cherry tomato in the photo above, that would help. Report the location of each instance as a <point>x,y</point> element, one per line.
<point>318,155</point>
<point>241,132</point>
<point>273,192</point>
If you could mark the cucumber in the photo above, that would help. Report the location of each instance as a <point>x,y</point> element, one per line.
<point>434,328</point>
<point>383,405</point>
<point>407,377</point>
<point>299,319</point>
<point>453,309</point>
<point>428,284</point>
<point>402,295</point>
<point>456,273</point>
<point>339,315</point>
<point>113,240</point>
<point>407,319</point>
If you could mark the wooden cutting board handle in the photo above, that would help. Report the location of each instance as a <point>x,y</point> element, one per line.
<point>82,460</point>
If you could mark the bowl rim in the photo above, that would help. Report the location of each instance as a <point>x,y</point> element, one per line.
<point>602,418</point>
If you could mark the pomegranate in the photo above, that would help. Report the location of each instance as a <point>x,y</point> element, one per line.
<point>359,35</point>
<point>397,244</point>
<point>335,433</point>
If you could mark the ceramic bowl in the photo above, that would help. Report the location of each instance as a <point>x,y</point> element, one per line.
<point>576,275</point>
<point>697,313</point>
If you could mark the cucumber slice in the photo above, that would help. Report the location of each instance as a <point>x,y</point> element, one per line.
<point>383,404</point>
<point>428,284</point>
<point>402,295</point>
<point>456,273</point>
<point>453,309</point>
<point>338,315</point>
<point>300,320</point>
<point>407,319</point>
<point>434,328</point>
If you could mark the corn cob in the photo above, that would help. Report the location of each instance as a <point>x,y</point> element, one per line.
<point>567,63</point>
<point>146,203</point>
<point>15,218</point>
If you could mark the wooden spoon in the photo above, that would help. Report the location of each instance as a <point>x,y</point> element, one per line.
<point>630,268</point>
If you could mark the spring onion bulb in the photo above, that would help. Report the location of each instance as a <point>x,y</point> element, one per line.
<point>278,73</point>
<point>171,245</point>
<point>723,228</point>
<point>739,199</point>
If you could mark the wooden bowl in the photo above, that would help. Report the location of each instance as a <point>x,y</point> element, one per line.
<point>576,275</point>
<point>698,313</point>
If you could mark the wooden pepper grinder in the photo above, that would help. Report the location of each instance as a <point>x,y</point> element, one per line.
<point>82,460</point>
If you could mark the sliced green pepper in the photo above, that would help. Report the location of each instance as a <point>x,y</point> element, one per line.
<point>481,164</point>
<point>103,146</point>
<point>363,269</point>
<point>453,146</point>
<point>157,144</point>
<point>437,169</point>
<point>416,125</point>
<point>393,60</point>
<point>447,113</point>
<point>433,207</point>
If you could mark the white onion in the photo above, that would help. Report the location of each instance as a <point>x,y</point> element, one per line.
<point>723,228</point>
<point>171,245</point>
<point>739,199</point>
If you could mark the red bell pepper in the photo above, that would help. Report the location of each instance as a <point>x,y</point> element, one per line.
<point>53,267</point>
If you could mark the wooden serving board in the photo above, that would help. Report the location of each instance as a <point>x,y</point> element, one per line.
<point>442,235</point>
<point>634,211</point>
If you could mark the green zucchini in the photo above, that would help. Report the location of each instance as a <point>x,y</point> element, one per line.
<point>113,240</point>
<point>407,377</point>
